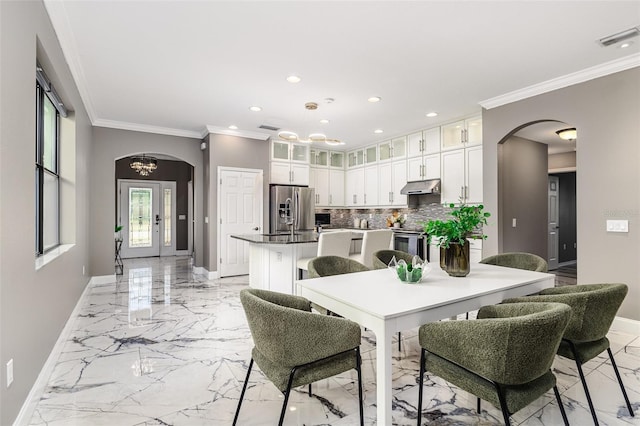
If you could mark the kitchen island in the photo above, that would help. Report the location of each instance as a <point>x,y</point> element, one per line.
<point>273,257</point>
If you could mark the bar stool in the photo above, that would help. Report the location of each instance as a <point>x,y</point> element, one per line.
<point>334,243</point>
<point>372,241</point>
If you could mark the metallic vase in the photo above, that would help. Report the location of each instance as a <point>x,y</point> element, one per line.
<point>455,259</point>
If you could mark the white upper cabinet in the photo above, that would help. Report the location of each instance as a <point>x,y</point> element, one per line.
<point>354,188</point>
<point>318,157</point>
<point>423,148</point>
<point>462,175</point>
<point>289,151</point>
<point>462,133</point>
<point>422,143</point>
<point>392,177</point>
<point>336,188</point>
<point>336,160</point>
<point>371,185</point>
<point>355,158</point>
<point>392,150</point>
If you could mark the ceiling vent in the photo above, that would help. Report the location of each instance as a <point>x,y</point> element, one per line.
<point>621,36</point>
<point>267,127</point>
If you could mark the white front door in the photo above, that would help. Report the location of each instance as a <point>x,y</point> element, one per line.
<point>148,218</point>
<point>240,212</point>
<point>554,210</point>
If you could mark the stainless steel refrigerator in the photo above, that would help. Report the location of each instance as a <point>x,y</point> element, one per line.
<point>291,205</point>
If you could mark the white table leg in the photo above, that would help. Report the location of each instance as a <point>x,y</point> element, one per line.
<point>383,375</point>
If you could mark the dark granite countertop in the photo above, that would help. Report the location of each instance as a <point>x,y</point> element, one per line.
<point>298,238</point>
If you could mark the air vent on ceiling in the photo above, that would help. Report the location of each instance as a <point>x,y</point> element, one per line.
<point>623,35</point>
<point>267,127</point>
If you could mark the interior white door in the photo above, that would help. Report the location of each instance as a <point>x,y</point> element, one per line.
<point>240,212</point>
<point>554,211</point>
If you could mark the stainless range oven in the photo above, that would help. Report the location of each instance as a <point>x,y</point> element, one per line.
<point>413,242</point>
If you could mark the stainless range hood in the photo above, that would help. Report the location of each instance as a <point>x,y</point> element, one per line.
<point>430,186</point>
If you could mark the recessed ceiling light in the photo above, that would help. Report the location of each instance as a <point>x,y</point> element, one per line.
<point>432,114</point>
<point>378,131</point>
<point>374,99</point>
<point>233,127</point>
<point>255,108</point>
<point>293,79</point>
<point>324,121</point>
<point>626,44</point>
<point>329,100</point>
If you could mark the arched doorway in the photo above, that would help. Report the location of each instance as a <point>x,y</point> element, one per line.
<point>163,204</point>
<point>536,192</point>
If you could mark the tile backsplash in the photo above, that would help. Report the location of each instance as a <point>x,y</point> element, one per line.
<point>377,218</point>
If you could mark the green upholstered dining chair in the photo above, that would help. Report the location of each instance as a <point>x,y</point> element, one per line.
<point>527,261</point>
<point>324,266</point>
<point>503,357</point>
<point>594,307</point>
<point>381,258</point>
<point>295,347</point>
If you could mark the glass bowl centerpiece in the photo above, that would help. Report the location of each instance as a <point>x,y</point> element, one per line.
<point>409,273</point>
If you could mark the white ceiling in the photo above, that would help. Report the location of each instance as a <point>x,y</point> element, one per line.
<point>177,67</point>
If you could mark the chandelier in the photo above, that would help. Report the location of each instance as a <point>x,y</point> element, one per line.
<point>143,164</point>
<point>313,137</point>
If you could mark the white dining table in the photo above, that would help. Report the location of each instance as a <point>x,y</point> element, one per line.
<point>380,302</point>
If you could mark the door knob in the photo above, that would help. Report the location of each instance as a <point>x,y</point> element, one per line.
<point>157,219</point>
<point>256,228</point>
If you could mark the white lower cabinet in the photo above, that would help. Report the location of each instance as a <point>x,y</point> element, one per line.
<point>461,172</point>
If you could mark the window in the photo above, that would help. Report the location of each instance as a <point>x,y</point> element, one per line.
<point>47,173</point>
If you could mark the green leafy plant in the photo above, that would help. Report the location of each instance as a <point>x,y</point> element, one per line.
<point>118,228</point>
<point>466,223</point>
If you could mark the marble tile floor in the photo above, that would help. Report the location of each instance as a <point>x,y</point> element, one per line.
<point>163,346</point>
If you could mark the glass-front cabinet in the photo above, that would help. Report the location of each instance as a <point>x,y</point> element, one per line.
<point>371,154</point>
<point>336,160</point>
<point>462,133</point>
<point>355,158</point>
<point>319,157</point>
<point>289,151</point>
<point>394,149</point>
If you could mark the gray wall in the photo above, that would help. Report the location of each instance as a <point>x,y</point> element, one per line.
<point>605,112</point>
<point>564,160</point>
<point>113,144</point>
<point>35,304</point>
<point>522,183</point>
<point>231,151</point>
<point>168,170</point>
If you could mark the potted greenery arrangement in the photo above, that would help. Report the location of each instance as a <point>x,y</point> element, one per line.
<point>118,233</point>
<point>453,234</point>
<point>396,220</point>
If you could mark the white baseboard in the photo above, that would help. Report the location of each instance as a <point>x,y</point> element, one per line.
<point>103,279</point>
<point>35,394</point>
<point>626,325</point>
<point>211,275</point>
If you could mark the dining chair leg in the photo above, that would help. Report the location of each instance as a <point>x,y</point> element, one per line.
<point>244,388</point>
<point>624,392</point>
<point>309,390</point>
<point>479,410</point>
<point>286,395</point>
<point>399,342</point>
<point>359,370</point>
<point>503,405</point>
<point>561,406</point>
<point>584,382</point>
<point>422,356</point>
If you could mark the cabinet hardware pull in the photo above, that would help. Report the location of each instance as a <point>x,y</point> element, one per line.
<point>330,199</point>
<point>462,192</point>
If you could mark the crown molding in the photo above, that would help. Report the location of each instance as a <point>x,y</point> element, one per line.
<point>587,74</point>
<point>60,21</point>
<point>241,133</point>
<point>123,125</point>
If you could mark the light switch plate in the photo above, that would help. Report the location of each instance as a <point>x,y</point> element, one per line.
<point>617,226</point>
<point>514,222</point>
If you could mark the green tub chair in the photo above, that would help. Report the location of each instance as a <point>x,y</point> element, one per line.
<point>381,258</point>
<point>527,261</point>
<point>295,347</point>
<point>324,266</point>
<point>503,357</point>
<point>594,307</point>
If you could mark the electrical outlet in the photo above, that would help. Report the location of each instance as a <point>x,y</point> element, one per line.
<point>564,247</point>
<point>513,222</point>
<point>10,372</point>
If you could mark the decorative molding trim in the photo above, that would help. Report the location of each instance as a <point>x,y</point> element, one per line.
<point>587,74</point>
<point>60,21</point>
<point>213,275</point>
<point>30,403</point>
<point>123,125</point>
<point>103,279</point>
<point>241,133</point>
<point>562,170</point>
<point>626,325</point>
